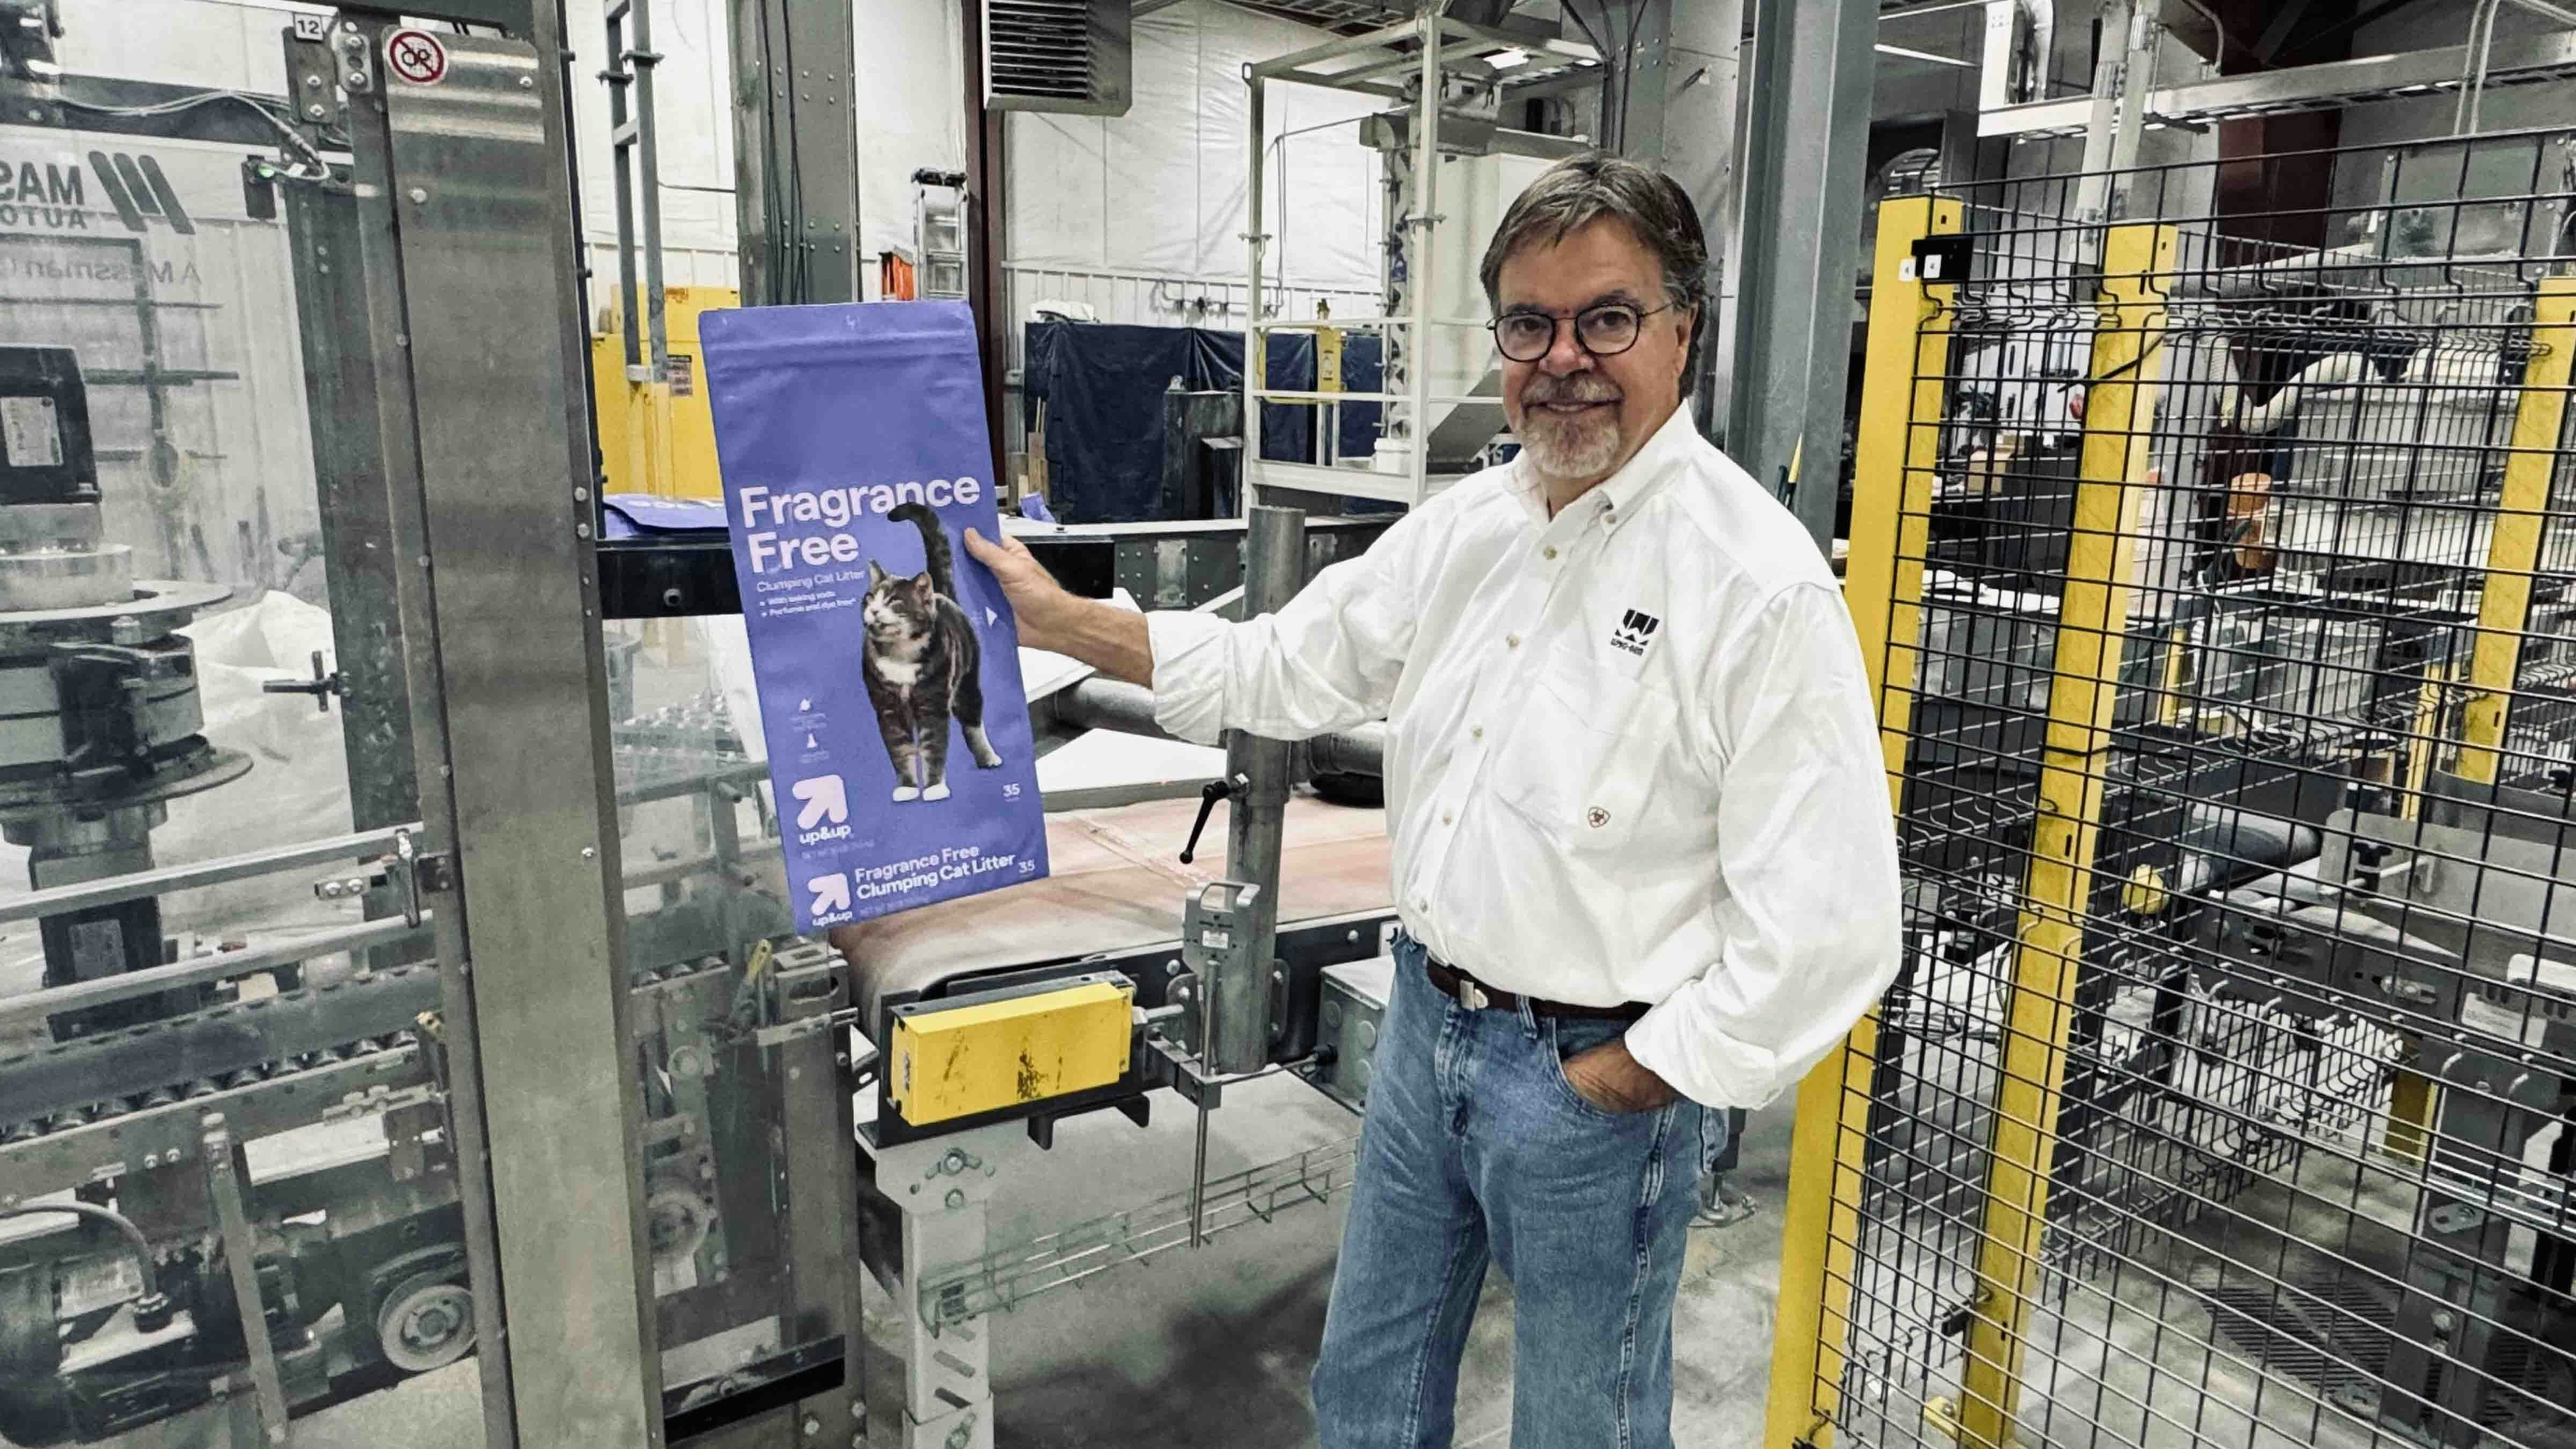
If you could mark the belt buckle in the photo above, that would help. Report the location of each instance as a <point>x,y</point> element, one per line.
<point>1470,995</point>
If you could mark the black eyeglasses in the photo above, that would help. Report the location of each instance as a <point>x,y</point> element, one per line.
<point>1604,331</point>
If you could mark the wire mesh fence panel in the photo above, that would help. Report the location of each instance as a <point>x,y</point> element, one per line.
<point>2215,564</point>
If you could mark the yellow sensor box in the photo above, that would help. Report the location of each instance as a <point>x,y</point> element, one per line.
<point>983,1056</point>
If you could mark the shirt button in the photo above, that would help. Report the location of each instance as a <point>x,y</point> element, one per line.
<point>1549,551</point>
<point>1512,641</point>
<point>1447,818</point>
<point>1475,732</point>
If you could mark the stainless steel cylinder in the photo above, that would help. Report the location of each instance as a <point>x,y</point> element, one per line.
<point>1274,569</point>
<point>52,556</point>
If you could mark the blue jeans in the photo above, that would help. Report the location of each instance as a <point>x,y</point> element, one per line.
<point>1475,1150</point>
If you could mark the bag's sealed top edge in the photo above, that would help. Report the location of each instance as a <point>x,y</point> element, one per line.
<point>830,326</point>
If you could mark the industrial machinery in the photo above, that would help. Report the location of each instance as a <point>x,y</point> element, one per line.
<point>1451,168</point>
<point>2215,562</point>
<point>413,1030</point>
<point>104,720</point>
<point>267,1147</point>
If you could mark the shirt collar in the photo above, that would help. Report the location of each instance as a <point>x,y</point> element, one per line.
<point>1622,491</point>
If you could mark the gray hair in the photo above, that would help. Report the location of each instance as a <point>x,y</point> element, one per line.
<point>1580,190</point>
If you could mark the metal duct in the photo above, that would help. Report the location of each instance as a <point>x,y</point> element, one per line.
<point>1070,56</point>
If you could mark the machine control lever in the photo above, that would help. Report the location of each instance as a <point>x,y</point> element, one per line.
<point>1209,794</point>
<point>321,686</point>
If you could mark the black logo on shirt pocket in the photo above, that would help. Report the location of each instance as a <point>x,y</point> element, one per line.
<point>1634,633</point>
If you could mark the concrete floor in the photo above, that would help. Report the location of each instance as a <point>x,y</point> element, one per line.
<point>1210,1349</point>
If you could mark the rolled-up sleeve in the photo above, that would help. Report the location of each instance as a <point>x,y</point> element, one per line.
<point>1327,661</point>
<point>1806,847</point>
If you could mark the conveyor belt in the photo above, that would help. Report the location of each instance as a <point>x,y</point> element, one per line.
<point>1116,883</point>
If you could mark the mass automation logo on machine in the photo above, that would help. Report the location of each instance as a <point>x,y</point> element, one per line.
<point>137,189</point>
<point>52,195</point>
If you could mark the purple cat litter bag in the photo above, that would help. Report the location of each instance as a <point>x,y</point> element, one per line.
<point>852,444</point>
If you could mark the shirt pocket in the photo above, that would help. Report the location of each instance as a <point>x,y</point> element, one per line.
<point>1584,757</point>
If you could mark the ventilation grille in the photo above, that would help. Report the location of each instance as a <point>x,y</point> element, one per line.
<point>1056,55</point>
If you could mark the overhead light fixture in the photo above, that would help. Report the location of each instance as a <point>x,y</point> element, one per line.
<point>1508,58</point>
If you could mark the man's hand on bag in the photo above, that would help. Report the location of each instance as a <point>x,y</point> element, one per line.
<point>1041,603</point>
<point>1112,640</point>
<point>1612,1080</point>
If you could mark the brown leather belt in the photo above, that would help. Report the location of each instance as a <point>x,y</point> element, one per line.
<point>1474,995</point>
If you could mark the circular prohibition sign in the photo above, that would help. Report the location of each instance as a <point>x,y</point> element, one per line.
<point>416,56</point>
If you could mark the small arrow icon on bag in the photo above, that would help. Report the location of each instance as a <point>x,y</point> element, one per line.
<point>989,616</point>
<point>823,795</point>
<point>831,893</point>
<point>809,742</point>
<point>804,704</point>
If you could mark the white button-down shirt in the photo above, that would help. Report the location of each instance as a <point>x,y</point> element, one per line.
<point>1631,755</point>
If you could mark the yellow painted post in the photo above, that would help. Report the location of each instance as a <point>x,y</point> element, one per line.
<point>2092,619</point>
<point>2423,743</point>
<point>2411,1097</point>
<point>2513,550</point>
<point>2504,613</point>
<point>1902,390</point>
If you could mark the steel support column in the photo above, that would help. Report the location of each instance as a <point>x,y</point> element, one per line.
<point>987,226</point>
<point>1274,569</point>
<point>1805,144</point>
<point>1901,405</point>
<point>796,180</point>
<point>357,536</point>
<point>2101,557</point>
<point>349,480</point>
<point>514,689</point>
<point>943,1187</point>
<point>1678,115</point>
<point>396,447</point>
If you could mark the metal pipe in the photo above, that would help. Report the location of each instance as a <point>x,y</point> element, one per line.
<point>1884,48</point>
<point>629,299</point>
<point>1422,273</point>
<point>1274,568</point>
<point>639,61</point>
<point>197,971</point>
<point>85,894</point>
<point>1939,8</point>
<point>1360,751</point>
<point>2093,186</point>
<point>1110,704</point>
<point>2473,76</point>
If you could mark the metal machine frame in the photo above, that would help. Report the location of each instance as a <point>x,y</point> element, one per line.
<point>2222,1097</point>
<point>1444,48</point>
<point>566,1088</point>
<point>493,1024</point>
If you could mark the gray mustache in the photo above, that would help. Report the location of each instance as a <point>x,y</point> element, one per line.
<point>1571,389</point>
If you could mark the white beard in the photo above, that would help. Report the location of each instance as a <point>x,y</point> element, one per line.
<point>1583,446</point>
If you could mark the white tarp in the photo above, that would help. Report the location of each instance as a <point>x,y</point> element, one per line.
<point>1161,189</point>
<point>912,112</point>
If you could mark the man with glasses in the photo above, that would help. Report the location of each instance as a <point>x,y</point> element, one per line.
<point>1643,851</point>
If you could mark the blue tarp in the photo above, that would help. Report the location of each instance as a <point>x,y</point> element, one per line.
<point>1103,384</point>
